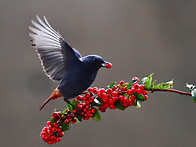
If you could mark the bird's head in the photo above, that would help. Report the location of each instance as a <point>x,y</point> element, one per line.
<point>95,61</point>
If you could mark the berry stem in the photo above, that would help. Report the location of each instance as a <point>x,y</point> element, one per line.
<point>172,90</point>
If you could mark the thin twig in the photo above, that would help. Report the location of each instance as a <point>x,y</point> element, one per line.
<point>172,90</point>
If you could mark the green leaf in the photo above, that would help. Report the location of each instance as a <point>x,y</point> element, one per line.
<point>69,107</point>
<point>97,102</point>
<point>79,118</point>
<point>138,105</point>
<point>129,85</point>
<point>190,86</point>
<point>119,106</point>
<point>143,80</point>
<point>139,97</point>
<point>194,99</point>
<point>74,103</point>
<point>112,85</point>
<point>96,116</point>
<point>193,93</point>
<point>123,85</point>
<point>167,85</point>
<point>126,95</point>
<point>153,83</point>
<point>65,111</point>
<point>64,127</point>
<point>52,121</point>
<point>148,82</point>
<point>135,102</point>
<point>159,86</point>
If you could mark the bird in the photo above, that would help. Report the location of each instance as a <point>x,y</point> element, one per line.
<point>63,63</point>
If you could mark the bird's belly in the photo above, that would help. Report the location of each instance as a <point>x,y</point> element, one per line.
<point>72,86</point>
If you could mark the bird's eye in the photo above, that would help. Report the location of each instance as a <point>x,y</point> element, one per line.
<point>94,59</point>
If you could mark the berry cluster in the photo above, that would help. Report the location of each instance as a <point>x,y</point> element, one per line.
<point>88,105</point>
<point>51,133</point>
<point>85,106</point>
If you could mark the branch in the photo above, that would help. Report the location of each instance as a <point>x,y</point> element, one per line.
<point>172,90</point>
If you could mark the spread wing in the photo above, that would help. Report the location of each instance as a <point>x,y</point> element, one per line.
<point>55,54</point>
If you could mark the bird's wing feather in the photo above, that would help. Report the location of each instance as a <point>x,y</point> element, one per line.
<point>55,54</point>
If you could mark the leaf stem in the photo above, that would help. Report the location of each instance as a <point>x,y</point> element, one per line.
<point>172,90</point>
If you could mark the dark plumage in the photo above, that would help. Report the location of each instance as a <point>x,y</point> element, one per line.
<point>62,62</point>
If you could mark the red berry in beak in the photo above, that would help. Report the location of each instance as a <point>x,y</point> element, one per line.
<point>108,65</point>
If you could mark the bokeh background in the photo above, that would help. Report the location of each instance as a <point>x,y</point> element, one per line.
<point>138,36</point>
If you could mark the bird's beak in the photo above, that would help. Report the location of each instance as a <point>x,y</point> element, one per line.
<point>106,64</point>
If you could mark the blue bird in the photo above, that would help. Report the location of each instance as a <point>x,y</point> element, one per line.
<point>61,62</point>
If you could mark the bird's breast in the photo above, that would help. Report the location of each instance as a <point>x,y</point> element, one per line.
<point>77,81</point>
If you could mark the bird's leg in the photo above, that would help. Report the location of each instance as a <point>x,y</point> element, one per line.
<point>55,95</point>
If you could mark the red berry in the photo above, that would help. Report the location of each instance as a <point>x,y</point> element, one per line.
<point>115,99</point>
<point>87,95</point>
<point>109,65</point>
<point>58,139</point>
<point>111,102</point>
<point>121,97</point>
<point>91,99</point>
<point>102,109</point>
<point>129,92</point>
<point>146,97</point>
<point>112,107</point>
<point>108,96</point>
<point>93,110</point>
<point>56,116</point>
<point>74,121</point>
<point>90,89</point>
<point>133,98</point>
<point>54,130</point>
<point>79,97</point>
<point>56,125</point>
<point>87,102</point>
<point>95,90</point>
<point>131,103</point>
<point>105,105</point>
<point>136,78</point>
<point>126,105</point>
<point>102,90</point>
<point>50,132</point>
<point>139,91</point>
<point>84,98</point>
<point>90,115</point>
<point>134,90</point>
<point>62,117</point>
<point>135,86</point>
<point>109,91</point>
<point>48,123</point>
<point>115,94</point>
<point>66,121</point>
<point>105,100</point>
<point>114,88</point>
<point>142,87</point>
<point>145,92</point>
<point>124,88</point>
<point>102,95</point>
<point>122,82</point>
<point>87,107</point>
<point>74,111</point>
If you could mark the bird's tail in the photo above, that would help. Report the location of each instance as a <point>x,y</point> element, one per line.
<point>55,95</point>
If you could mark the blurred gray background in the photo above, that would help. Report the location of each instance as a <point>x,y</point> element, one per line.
<point>138,36</point>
